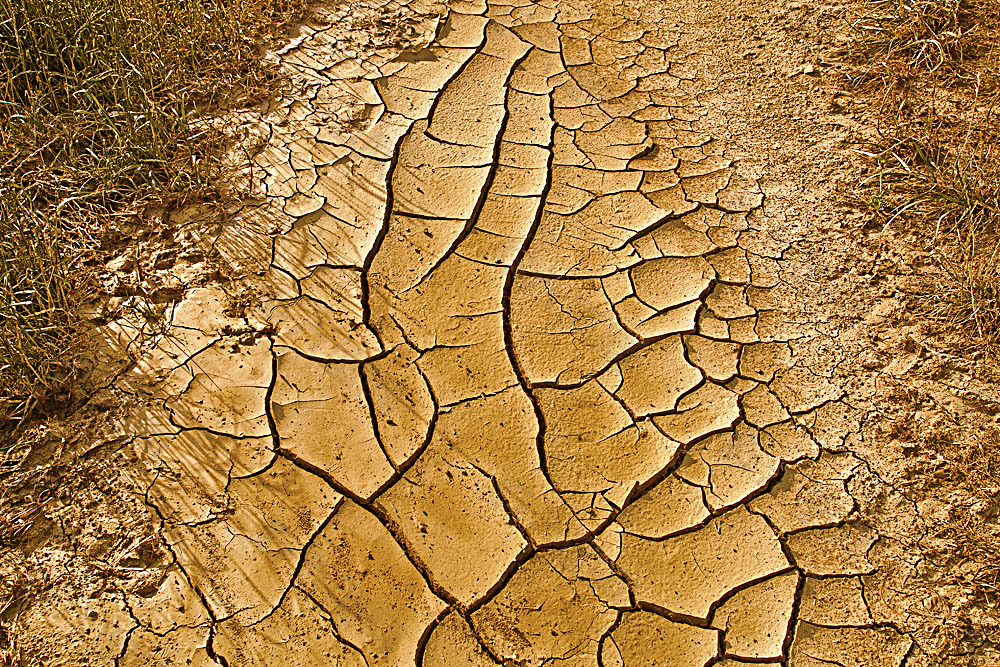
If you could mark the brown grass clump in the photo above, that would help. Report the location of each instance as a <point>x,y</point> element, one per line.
<point>977,532</point>
<point>933,68</point>
<point>98,100</point>
<point>931,71</point>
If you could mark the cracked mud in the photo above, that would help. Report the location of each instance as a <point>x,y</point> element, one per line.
<point>521,390</point>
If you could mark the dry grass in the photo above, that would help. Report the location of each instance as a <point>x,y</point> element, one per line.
<point>98,100</point>
<point>34,301</point>
<point>931,71</point>
<point>102,104</point>
<point>976,533</point>
<point>932,67</point>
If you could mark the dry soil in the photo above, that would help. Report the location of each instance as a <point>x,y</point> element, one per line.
<point>555,357</point>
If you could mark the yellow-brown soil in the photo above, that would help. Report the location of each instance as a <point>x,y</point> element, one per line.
<point>545,369</point>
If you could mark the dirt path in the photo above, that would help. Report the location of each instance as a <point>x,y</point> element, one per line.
<point>543,372</point>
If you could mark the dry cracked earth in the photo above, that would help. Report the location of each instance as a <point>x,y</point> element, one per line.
<point>527,385</point>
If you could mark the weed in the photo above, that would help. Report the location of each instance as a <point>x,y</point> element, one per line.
<point>972,531</point>
<point>914,34</point>
<point>933,69</point>
<point>34,313</point>
<point>99,101</point>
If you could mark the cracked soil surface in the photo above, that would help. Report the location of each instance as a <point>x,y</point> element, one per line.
<point>538,375</point>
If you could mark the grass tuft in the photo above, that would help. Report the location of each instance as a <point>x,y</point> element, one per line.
<point>34,302</point>
<point>933,69</point>
<point>915,34</point>
<point>99,101</point>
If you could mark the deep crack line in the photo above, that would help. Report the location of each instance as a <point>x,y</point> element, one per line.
<point>602,124</point>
